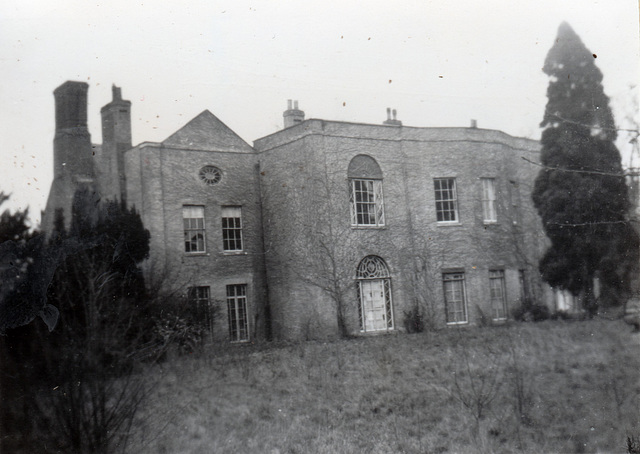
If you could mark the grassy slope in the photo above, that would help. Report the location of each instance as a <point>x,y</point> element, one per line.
<point>405,393</point>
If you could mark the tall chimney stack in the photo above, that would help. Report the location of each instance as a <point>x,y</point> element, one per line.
<point>72,153</point>
<point>116,139</point>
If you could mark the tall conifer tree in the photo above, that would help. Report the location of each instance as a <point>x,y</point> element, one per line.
<point>581,193</point>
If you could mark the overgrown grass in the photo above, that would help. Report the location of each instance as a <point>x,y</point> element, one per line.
<point>547,387</point>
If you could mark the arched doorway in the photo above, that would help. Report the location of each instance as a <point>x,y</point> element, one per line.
<point>374,295</point>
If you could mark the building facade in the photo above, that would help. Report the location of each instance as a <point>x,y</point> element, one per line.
<point>373,223</point>
<point>323,228</point>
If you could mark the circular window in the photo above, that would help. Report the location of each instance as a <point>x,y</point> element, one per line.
<point>210,175</point>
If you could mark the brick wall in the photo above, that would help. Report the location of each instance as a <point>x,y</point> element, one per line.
<point>160,181</point>
<point>293,187</point>
<point>307,165</point>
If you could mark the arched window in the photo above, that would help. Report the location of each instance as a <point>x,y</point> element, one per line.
<point>374,295</point>
<point>365,192</point>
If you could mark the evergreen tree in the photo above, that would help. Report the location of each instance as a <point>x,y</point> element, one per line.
<point>581,194</point>
<point>74,387</point>
<point>19,246</point>
<point>13,226</point>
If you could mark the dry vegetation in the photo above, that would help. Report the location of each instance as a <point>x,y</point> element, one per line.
<point>548,387</point>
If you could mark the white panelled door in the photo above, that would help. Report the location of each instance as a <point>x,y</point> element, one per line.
<point>374,305</point>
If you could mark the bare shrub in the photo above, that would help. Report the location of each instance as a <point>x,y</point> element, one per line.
<point>521,385</point>
<point>414,320</point>
<point>633,444</point>
<point>477,380</point>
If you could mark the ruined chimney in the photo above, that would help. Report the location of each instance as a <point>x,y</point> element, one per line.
<point>392,121</point>
<point>116,93</point>
<point>72,152</point>
<point>293,115</point>
<point>474,124</point>
<point>116,139</point>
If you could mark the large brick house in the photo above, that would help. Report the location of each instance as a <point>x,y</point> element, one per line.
<point>324,227</point>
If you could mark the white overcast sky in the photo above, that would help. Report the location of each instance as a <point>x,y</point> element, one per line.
<point>439,63</point>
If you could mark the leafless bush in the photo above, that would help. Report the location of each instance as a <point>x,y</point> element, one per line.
<point>521,386</point>
<point>633,444</point>
<point>477,387</point>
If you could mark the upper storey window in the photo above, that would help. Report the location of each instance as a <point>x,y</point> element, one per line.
<point>232,229</point>
<point>489,213</point>
<point>365,192</point>
<point>194,233</point>
<point>446,199</point>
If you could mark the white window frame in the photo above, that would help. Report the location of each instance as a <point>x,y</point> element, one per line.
<point>446,200</point>
<point>367,202</point>
<point>455,279</point>
<point>237,313</point>
<point>489,213</point>
<point>498,294</point>
<point>232,235</point>
<point>194,228</point>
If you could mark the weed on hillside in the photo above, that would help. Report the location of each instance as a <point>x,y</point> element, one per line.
<point>554,386</point>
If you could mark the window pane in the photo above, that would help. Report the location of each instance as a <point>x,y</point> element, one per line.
<point>200,308</point>
<point>497,294</point>
<point>455,297</point>
<point>446,199</point>
<point>232,228</point>
<point>366,202</point>
<point>191,211</point>
<point>489,200</point>
<point>231,212</point>
<point>194,231</point>
<point>237,312</point>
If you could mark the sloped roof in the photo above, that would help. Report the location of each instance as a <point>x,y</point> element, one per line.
<point>207,133</point>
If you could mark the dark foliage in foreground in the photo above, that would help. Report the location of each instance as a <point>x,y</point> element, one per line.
<point>76,388</point>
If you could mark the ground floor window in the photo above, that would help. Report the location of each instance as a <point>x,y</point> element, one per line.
<point>454,297</point>
<point>237,312</point>
<point>374,295</point>
<point>498,295</point>
<point>200,306</point>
